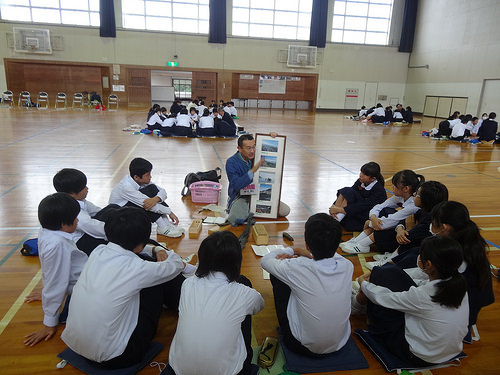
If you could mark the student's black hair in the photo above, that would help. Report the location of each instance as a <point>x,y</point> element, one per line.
<point>454,115</point>
<point>206,112</point>
<point>57,209</point>
<point>139,166</point>
<point>155,108</point>
<point>244,137</point>
<point>363,107</point>
<point>407,177</point>
<point>202,102</point>
<point>408,109</point>
<point>322,235</point>
<point>128,227</point>
<point>474,118</point>
<point>195,101</point>
<point>432,193</point>
<point>492,115</point>
<point>184,111</point>
<point>69,180</point>
<point>446,256</point>
<point>193,109</point>
<point>220,252</point>
<point>466,232</point>
<point>379,105</point>
<point>232,103</point>
<point>372,169</point>
<point>163,109</point>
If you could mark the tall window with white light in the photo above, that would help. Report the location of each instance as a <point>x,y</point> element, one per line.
<point>187,16</point>
<point>67,12</point>
<point>361,21</point>
<point>275,19</point>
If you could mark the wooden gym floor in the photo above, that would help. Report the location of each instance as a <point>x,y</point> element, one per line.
<point>324,152</point>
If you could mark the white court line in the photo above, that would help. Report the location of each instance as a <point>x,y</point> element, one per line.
<point>20,228</point>
<point>125,159</point>
<point>19,301</point>
<point>202,159</point>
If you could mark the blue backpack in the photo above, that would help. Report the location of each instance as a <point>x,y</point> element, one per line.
<point>30,247</point>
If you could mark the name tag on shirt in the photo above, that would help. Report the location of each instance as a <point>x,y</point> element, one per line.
<point>249,190</point>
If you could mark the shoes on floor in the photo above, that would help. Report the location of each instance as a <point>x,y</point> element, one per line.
<point>172,231</point>
<point>354,248</point>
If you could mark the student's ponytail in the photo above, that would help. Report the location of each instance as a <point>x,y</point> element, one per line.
<point>445,254</point>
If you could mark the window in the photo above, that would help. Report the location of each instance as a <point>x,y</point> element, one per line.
<point>361,21</point>
<point>187,16</point>
<point>182,88</point>
<point>68,12</point>
<point>278,19</point>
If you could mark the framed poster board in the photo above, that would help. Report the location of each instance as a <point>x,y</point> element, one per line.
<point>267,179</point>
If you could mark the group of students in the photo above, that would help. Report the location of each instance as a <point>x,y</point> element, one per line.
<point>193,120</point>
<point>432,285</point>
<point>379,115</point>
<point>464,128</point>
<point>433,278</point>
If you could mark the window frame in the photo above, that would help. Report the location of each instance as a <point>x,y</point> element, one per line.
<point>179,82</point>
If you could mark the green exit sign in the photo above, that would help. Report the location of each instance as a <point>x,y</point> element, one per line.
<point>172,63</point>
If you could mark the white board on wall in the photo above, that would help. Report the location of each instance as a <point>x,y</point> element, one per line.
<point>272,86</point>
<point>162,93</point>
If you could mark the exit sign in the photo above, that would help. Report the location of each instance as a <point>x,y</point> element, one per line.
<point>172,63</point>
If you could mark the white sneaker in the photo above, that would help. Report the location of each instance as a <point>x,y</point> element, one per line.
<point>172,231</point>
<point>351,241</point>
<point>377,263</point>
<point>355,248</point>
<point>382,256</point>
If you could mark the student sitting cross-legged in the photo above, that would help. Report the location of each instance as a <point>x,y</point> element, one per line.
<point>60,259</point>
<point>312,290</point>
<point>214,330</point>
<point>117,301</point>
<point>136,189</point>
<point>90,229</point>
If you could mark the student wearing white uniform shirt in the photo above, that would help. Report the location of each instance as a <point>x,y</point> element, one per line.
<point>154,120</point>
<point>117,301</point>
<point>423,324</point>
<point>232,109</point>
<point>183,124</point>
<point>384,217</point>
<point>61,261</point>
<point>378,114</point>
<point>458,130</point>
<point>206,126</point>
<point>214,329</point>
<point>312,290</point>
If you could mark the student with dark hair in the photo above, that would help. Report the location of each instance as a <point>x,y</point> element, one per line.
<point>206,126</point>
<point>458,131</point>
<point>154,109</point>
<point>408,115</point>
<point>354,203</point>
<point>428,195</point>
<point>136,189</point>
<point>182,124</point>
<point>384,217</point>
<point>378,115</point>
<point>213,333</point>
<point>312,289</point>
<point>61,261</point>
<point>90,229</point>
<point>154,120</point>
<point>163,114</point>
<point>422,324</point>
<point>240,169</point>
<point>488,130</point>
<point>176,106</point>
<point>117,301</point>
<point>224,124</point>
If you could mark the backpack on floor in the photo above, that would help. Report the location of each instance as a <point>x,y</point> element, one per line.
<point>30,247</point>
<point>212,175</point>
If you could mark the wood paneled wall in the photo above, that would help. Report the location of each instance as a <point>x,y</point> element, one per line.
<point>204,85</point>
<point>138,87</point>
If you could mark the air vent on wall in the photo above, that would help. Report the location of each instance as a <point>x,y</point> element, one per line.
<point>302,56</point>
<point>32,40</point>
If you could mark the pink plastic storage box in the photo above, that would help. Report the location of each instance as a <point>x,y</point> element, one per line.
<point>205,192</point>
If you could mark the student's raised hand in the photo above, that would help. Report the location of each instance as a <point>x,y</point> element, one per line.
<point>174,218</point>
<point>149,203</point>
<point>45,333</point>
<point>402,236</point>
<point>302,253</point>
<point>35,295</point>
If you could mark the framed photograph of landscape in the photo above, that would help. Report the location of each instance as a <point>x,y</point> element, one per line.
<point>267,179</point>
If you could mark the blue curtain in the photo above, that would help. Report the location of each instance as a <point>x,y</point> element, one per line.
<point>217,22</point>
<point>319,18</point>
<point>409,23</point>
<point>107,14</point>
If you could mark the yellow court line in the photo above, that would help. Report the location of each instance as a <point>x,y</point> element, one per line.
<point>19,301</point>
<point>490,229</point>
<point>202,160</point>
<point>125,159</point>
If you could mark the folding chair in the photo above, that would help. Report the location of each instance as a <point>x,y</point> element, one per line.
<point>24,99</point>
<point>42,100</point>
<point>77,101</point>
<point>8,98</point>
<point>113,101</point>
<point>61,100</point>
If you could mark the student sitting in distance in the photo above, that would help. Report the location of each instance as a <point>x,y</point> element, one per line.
<point>60,259</point>
<point>378,115</point>
<point>312,290</point>
<point>90,229</point>
<point>224,124</point>
<point>214,329</point>
<point>183,124</point>
<point>487,131</point>
<point>206,126</point>
<point>136,189</point>
<point>117,301</point>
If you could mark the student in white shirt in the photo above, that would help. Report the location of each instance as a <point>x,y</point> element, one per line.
<point>458,130</point>
<point>378,115</point>
<point>214,328</point>
<point>117,301</point>
<point>168,125</point>
<point>423,324</point>
<point>206,125</point>
<point>194,118</point>
<point>90,229</point>
<point>312,290</point>
<point>154,120</point>
<point>201,108</point>
<point>183,124</point>
<point>232,109</point>
<point>136,189</point>
<point>385,217</point>
<point>61,261</point>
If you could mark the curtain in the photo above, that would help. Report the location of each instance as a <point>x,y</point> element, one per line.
<point>217,22</point>
<point>107,15</point>
<point>319,18</point>
<point>409,23</point>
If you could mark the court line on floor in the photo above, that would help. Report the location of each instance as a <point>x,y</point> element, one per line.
<point>105,159</point>
<point>202,160</point>
<point>9,254</point>
<point>125,159</point>
<point>33,136</point>
<point>19,302</point>
<point>218,157</point>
